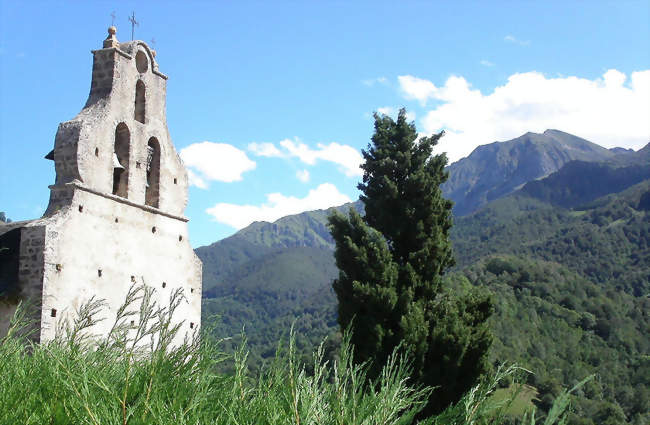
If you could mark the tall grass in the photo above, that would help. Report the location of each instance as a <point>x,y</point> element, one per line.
<point>137,376</point>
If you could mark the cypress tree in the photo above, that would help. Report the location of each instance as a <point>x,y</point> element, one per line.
<point>391,264</point>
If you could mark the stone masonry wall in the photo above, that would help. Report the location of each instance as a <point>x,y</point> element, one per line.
<point>92,244</point>
<point>102,245</point>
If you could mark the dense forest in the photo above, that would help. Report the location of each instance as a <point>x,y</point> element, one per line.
<point>570,288</point>
<point>606,240</point>
<point>563,327</point>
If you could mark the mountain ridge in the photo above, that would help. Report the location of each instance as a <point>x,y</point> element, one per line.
<point>497,169</point>
<point>574,183</point>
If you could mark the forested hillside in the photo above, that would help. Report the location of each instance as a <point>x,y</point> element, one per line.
<point>564,327</point>
<point>570,280</point>
<point>267,275</point>
<point>607,240</point>
<point>588,181</point>
<point>225,261</point>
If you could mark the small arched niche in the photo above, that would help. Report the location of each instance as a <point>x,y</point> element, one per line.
<point>141,62</point>
<point>139,101</point>
<point>152,192</point>
<point>121,161</point>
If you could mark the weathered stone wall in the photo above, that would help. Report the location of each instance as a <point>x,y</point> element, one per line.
<point>92,243</point>
<point>102,245</point>
<point>84,146</point>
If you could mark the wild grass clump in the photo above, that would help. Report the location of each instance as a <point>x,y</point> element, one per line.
<point>136,375</point>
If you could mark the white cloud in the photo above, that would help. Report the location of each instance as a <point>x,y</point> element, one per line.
<point>347,157</point>
<point>612,110</point>
<point>195,180</point>
<point>512,39</point>
<point>415,88</point>
<point>487,63</point>
<point>303,175</point>
<point>239,216</point>
<point>372,81</point>
<point>264,149</point>
<point>207,161</point>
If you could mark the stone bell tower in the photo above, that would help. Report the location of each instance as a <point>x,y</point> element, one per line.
<point>115,216</point>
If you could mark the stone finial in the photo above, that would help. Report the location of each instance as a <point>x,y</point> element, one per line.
<point>111,40</point>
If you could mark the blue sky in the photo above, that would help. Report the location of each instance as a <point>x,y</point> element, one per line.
<point>270,103</point>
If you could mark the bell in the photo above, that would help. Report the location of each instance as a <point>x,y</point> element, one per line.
<point>116,162</point>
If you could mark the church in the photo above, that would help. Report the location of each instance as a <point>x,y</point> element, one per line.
<point>115,217</point>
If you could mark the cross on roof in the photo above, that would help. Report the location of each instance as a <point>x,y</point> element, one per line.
<point>113,18</point>
<point>134,23</point>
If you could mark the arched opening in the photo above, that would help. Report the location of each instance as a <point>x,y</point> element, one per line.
<point>139,101</point>
<point>121,161</point>
<point>141,62</point>
<point>152,192</point>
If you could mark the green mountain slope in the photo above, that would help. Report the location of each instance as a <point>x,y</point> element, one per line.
<point>607,241</point>
<point>269,274</point>
<point>579,182</point>
<point>570,284</point>
<point>267,295</point>
<point>227,261</point>
<point>498,169</point>
<point>563,327</point>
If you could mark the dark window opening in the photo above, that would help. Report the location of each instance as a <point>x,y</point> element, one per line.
<point>191,325</point>
<point>153,229</point>
<point>81,208</point>
<point>99,272</point>
<point>139,101</point>
<point>96,151</point>
<point>10,262</point>
<point>121,161</point>
<point>141,62</point>
<point>152,185</point>
<point>164,284</point>
<point>53,312</point>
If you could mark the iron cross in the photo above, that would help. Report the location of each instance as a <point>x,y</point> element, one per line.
<point>113,18</point>
<point>134,23</point>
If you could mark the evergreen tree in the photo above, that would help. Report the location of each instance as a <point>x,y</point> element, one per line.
<point>391,264</point>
